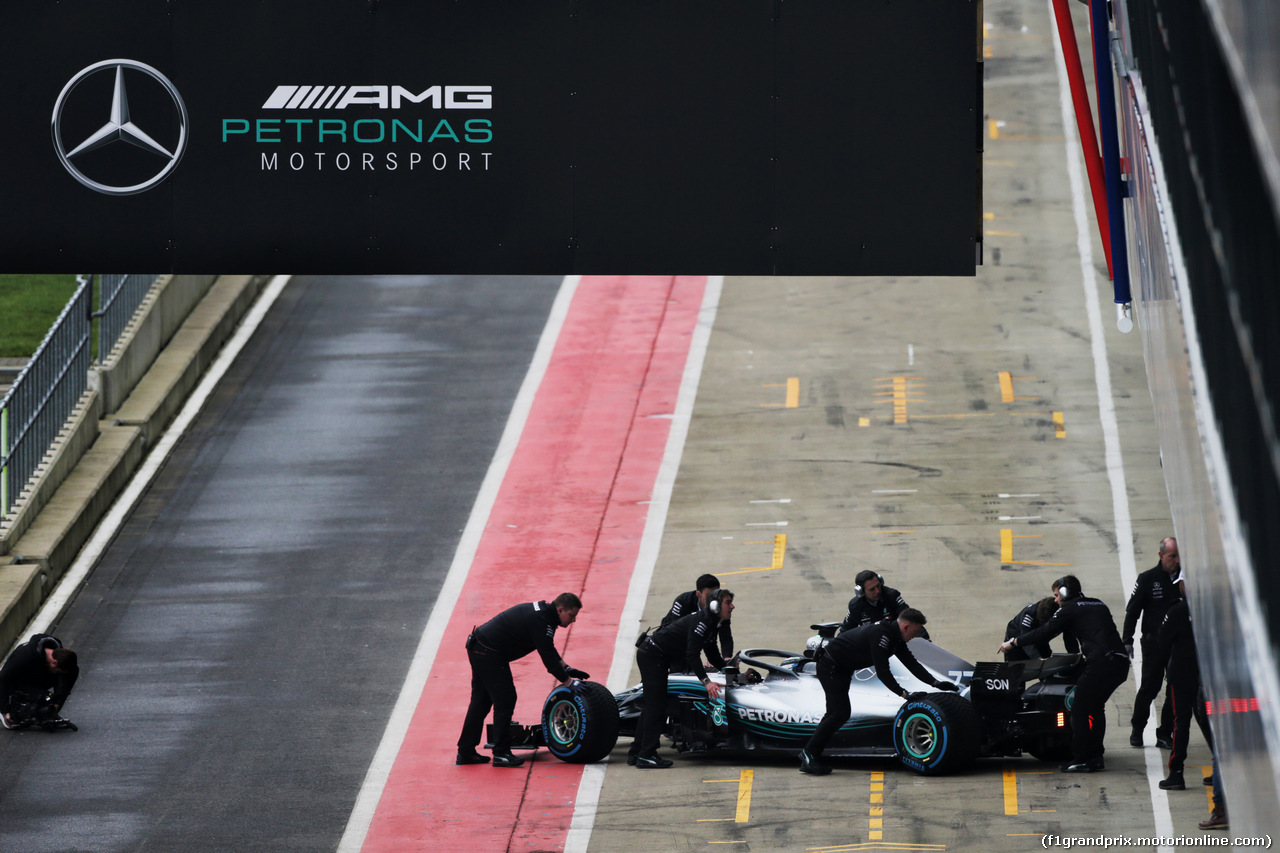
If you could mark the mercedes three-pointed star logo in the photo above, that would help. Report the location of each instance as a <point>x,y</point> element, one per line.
<point>119,127</point>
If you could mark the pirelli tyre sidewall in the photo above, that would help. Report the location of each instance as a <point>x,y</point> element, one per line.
<point>937,733</point>
<point>580,722</point>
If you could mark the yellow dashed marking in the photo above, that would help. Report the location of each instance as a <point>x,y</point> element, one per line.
<point>792,399</point>
<point>779,554</point>
<point>745,781</point>
<point>1006,549</point>
<point>1006,387</point>
<point>900,393</point>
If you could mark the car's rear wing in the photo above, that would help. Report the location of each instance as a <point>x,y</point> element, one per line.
<point>1004,680</point>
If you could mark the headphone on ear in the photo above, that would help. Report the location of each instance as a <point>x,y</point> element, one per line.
<point>865,576</point>
<point>1064,592</point>
<point>1067,586</point>
<point>713,603</point>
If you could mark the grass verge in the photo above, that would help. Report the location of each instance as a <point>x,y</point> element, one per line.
<point>28,306</point>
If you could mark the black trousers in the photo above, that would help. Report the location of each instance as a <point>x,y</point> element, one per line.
<point>1149,690</point>
<point>1186,701</point>
<point>491,687</point>
<point>1099,680</point>
<point>835,684</point>
<point>653,677</point>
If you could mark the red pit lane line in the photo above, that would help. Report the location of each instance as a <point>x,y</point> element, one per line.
<point>568,517</point>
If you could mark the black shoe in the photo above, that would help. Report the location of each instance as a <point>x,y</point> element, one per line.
<point>1208,781</point>
<point>811,765</point>
<point>1164,742</point>
<point>652,762</point>
<point>1175,782</point>
<point>1082,767</point>
<point>470,756</point>
<point>1097,765</point>
<point>506,759</point>
<point>1135,739</point>
<point>631,759</point>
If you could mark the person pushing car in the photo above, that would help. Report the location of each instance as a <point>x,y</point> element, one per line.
<point>676,644</point>
<point>863,646</point>
<point>512,634</point>
<point>1106,666</point>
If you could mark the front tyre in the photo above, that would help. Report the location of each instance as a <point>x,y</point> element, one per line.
<point>580,722</point>
<point>937,733</point>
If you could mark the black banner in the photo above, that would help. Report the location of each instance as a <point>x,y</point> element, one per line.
<point>817,137</point>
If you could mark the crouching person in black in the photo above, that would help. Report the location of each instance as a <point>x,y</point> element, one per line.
<point>863,646</point>
<point>509,636</point>
<point>38,676</point>
<point>678,645</point>
<point>1032,616</point>
<point>1106,667</point>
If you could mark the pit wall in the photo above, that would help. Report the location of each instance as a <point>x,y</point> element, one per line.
<point>1212,515</point>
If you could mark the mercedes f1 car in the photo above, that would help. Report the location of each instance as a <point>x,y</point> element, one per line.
<point>997,712</point>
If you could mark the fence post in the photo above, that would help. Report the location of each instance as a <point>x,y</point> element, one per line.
<point>4,455</point>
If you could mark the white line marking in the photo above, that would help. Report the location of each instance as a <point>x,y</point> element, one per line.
<point>1106,407</point>
<point>584,812</point>
<point>776,501</point>
<point>1004,495</point>
<point>1018,517</point>
<point>375,779</point>
<point>115,518</point>
<point>766,524</point>
<point>911,355</point>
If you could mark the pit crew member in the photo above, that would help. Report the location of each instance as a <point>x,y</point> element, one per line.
<point>677,644</point>
<point>1176,644</point>
<point>863,646</point>
<point>1106,667</point>
<point>1034,615</point>
<point>1153,595</point>
<point>509,636</point>
<point>696,599</point>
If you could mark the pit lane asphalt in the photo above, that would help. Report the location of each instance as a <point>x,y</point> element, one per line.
<point>246,634</point>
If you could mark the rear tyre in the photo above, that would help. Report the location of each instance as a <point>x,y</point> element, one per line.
<point>937,733</point>
<point>580,722</point>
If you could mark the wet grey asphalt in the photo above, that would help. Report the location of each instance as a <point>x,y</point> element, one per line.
<point>247,633</point>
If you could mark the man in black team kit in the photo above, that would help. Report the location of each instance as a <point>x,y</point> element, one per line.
<point>509,636</point>
<point>866,645</point>
<point>678,645</point>
<point>38,675</point>
<point>696,599</point>
<point>1034,615</point>
<point>1176,643</point>
<point>872,602</point>
<point>1106,667</point>
<point>1153,595</point>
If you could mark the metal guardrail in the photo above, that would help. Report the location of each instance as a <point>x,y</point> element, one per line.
<point>118,298</point>
<point>43,396</point>
<point>48,389</point>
